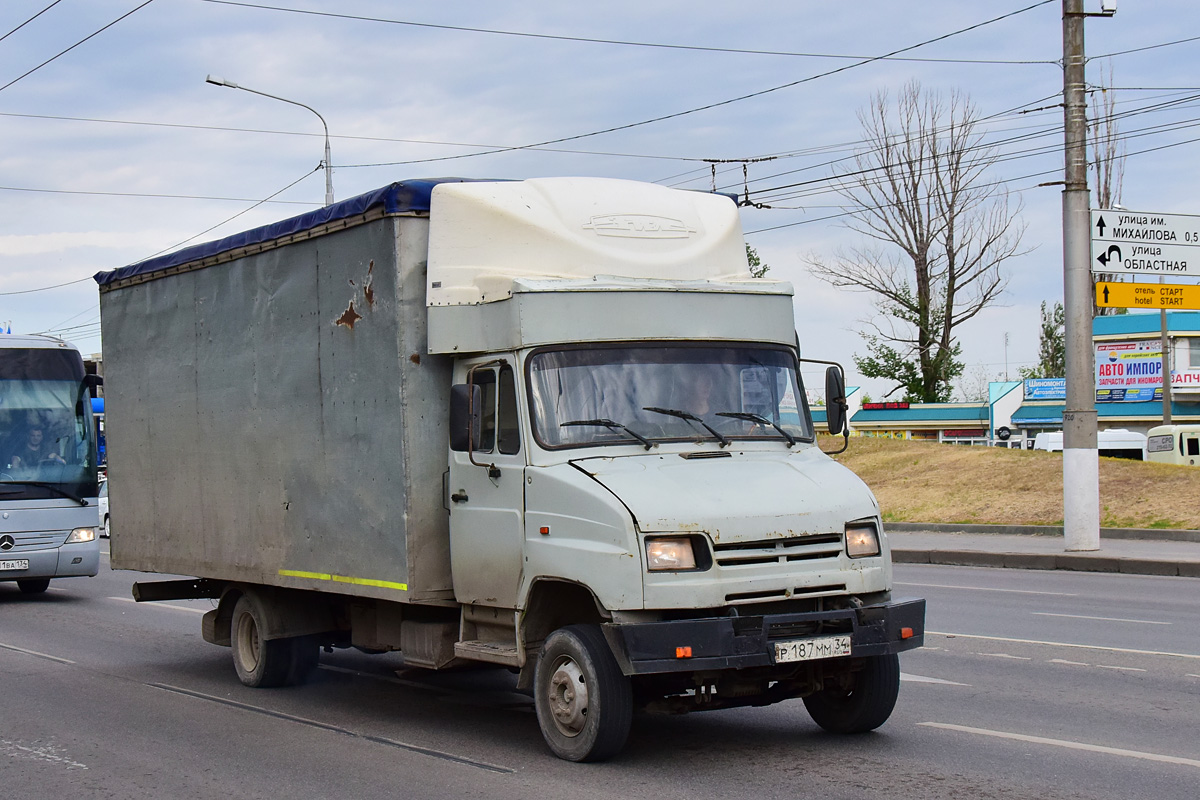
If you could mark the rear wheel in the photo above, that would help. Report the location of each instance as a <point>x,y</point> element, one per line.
<point>584,704</point>
<point>106,528</point>
<point>261,663</point>
<point>34,586</point>
<point>865,705</point>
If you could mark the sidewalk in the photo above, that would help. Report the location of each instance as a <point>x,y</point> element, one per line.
<point>1132,552</point>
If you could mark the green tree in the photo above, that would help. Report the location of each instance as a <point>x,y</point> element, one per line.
<point>1052,345</point>
<point>757,268</point>
<point>937,230</point>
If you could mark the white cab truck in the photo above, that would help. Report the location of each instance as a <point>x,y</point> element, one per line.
<point>548,424</point>
<point>48,476</point>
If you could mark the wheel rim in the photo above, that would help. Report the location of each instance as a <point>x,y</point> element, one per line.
<point>568,696</point>
<point>248,642</point>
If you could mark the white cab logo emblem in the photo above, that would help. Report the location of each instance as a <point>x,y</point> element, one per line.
<point>639,226</point>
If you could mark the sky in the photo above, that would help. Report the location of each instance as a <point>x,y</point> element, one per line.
<point>113,148</point>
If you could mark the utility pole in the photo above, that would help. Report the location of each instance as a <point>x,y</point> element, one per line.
<point>1081,463</point>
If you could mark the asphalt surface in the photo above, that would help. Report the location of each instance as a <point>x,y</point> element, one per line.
<point>1031,684</point>
<point>1133,552</point>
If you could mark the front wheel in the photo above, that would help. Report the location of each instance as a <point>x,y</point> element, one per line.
<point>584,704</point>
<point>34,586</point>
<point>865,705</point>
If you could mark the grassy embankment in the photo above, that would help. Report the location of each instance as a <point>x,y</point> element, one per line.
<point>930,482</point>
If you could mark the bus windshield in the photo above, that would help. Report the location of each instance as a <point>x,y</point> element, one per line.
<point>47,434</point>
<point>666,392</point>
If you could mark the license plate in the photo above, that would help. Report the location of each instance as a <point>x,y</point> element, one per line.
<point>21,563</point>
<point>812,649</point>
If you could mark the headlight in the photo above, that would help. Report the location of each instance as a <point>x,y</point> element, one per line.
<point>862,539</point>
<point>670,554</point>
<point>82,535</point>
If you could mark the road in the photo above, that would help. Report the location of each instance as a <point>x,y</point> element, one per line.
<point>1033,685</point>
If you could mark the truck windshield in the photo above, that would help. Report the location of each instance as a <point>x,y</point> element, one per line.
<point>47,435</point>
<point>665,393</point>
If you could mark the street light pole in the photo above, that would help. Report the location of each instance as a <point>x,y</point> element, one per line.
<point>214,80</point>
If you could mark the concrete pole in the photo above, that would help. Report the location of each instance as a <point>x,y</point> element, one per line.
<point>1081,464</point>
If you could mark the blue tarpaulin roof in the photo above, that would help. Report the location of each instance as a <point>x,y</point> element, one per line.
<point>411,195</point>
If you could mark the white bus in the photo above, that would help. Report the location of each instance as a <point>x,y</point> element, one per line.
<point>48,476</point>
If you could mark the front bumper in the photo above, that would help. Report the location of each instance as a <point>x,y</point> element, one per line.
<point>78,559</point>
<point>722,643</point>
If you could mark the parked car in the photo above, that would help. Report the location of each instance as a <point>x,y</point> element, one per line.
<point>102,503</point>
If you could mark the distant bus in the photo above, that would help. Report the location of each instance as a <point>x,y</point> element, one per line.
<point>48,475</point>
<point>1174,444</point>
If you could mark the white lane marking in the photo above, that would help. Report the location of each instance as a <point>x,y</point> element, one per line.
<point>163,605</point>
<point>41,752</point>
<point>980,589</point>
<point>1006,655</point>
<point>1190,675</point>
<point>1064,661</point>
<point>1123,669</point>
<point>1093,748</point>
<point>16,649</point>
<point>1062,644</point>
<point>904,676</point>
<point>1102,619</point>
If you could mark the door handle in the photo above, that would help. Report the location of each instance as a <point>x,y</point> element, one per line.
<point>459,497</point>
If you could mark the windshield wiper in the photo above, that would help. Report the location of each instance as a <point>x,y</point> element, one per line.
<point>760,420</point>
<point>674,412</point>
<point>51,487</point>
<point>611,425</point>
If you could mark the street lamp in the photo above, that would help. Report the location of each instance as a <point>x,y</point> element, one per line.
<point>215,81</point>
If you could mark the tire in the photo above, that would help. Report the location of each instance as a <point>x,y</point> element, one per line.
<point>106,528</point>
<point>866,705</point>
<point>584,704</point>
<point>260,663</point>
<point>34,586</point>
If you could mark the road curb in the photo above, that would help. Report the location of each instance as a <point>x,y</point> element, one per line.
<point>1065,561</point>
<point>1150,534</point>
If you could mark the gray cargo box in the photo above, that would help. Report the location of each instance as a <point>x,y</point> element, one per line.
<point>272,414</point>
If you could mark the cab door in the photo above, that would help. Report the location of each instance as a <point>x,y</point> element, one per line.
<point>487,494</point>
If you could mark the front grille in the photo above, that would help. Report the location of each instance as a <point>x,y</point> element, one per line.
<point>39,540</point>
<point>779,594</point>
<point>779,551</point>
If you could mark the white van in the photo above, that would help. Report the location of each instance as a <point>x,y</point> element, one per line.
<point>1174,444</point>
<point>1112,443</point>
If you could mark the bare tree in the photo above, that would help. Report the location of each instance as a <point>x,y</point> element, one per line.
<point>938,232</point>
<point>1107,163</point>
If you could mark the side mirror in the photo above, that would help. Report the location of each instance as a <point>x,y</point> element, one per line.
<point>835,400</point>
<point>465,428</point>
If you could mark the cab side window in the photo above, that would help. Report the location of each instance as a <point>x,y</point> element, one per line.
<point>506,413</point>
<point>498,413</point>
<point>485,379</point>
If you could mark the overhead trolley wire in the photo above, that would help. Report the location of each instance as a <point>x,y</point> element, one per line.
<point>72,47</point>
<point>709,106</point>
<point>620,42</point>
<point>31,19</point>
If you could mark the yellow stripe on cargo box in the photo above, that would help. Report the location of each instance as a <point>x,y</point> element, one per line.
<point>323,576</point>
